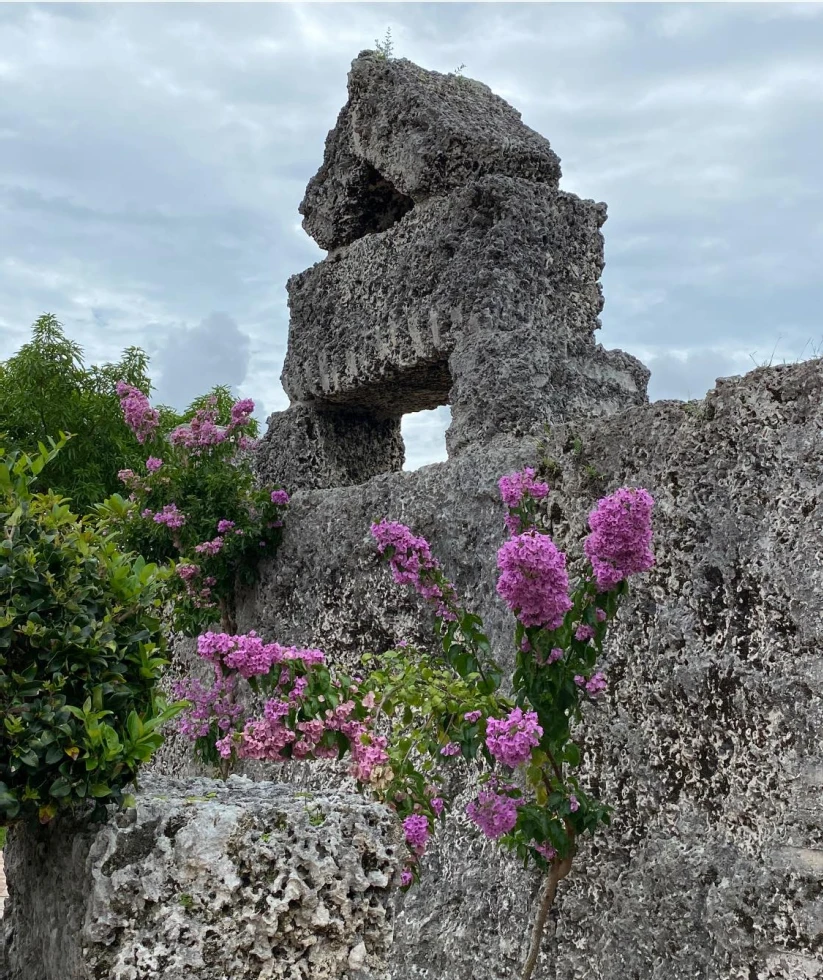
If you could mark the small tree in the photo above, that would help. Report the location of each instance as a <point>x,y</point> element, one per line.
<point>45,387</point>
<point>81,649</point>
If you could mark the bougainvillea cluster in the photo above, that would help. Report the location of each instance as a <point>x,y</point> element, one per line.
<point>411,562</point>
<point>560,629</point>
<point>520,491</point>
<point>533,579</point>
<point>621,536</point>
<point>307,712</point>
<point>140,417</point>
<point>511,739</point>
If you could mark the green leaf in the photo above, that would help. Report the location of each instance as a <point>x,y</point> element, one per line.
<point>60,787</point>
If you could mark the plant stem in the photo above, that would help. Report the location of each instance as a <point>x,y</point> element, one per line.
<point>559,870</point>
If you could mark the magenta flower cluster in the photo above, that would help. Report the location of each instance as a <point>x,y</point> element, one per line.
<point>412,564</point>
<point>596,685</point>
<point>207,705</point>
<point>249,655</point>
<point>279,497</point>
<point>203,431</point>
<point>494,813</point>
<point>511,740</point>
<point>268,738</point>
<point>284,731</point>
<point>241,412</point>
<point>621,536</point>
<point>170,516</point>
<point>534,582</point>
<point>140,417</point>
<point>416,829</point>
<point>515,489</point>
<point>153,464</point>
<point>515,486</point>
<point>212,547</point>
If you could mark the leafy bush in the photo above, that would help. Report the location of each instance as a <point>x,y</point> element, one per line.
<point>81,649</point>
<point>195,502</point>
<point>45,387</point>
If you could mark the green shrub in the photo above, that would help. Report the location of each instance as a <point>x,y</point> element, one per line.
<point>81,649</point>
<point>196,503</point>
<point>46,387</point>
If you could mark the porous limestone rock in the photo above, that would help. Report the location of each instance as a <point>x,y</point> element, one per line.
<point>459,274</point>
<point>407,134</point>
<point>206,881</point>
<point>338,448</point>
<point>708,743</point>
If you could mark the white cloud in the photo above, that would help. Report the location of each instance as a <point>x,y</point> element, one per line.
<point>424,434</point>
<point>193,360</point>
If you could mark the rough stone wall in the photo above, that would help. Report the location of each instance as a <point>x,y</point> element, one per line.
<point>206,881</point>
<point>457,274</point>
<point>708,744</point>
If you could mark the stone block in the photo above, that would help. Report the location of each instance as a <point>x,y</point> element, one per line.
<point>487,299</point>
<point>458,275</point>
<point>407,134</point>
<point>307,448</point>
<point>206,881</point>
<point>708,742</point>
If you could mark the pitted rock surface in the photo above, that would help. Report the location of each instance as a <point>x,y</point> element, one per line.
<point>708,743</point>
<point>500,261</point>
<point>459,275</point>
<point>206,881</point>
<point>337,448</point>
<point>407,134</point>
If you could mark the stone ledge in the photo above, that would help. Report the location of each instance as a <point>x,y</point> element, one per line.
<point>204,881</point>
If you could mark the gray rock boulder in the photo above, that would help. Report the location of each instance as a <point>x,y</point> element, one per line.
<point>407,134</point>
<point>206,881</point>
<point>459,274</point>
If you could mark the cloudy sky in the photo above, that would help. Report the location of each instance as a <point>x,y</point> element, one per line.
<point>152,158</point>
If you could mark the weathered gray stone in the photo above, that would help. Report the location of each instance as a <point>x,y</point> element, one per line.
<point>206,881</point>
<point>407,134</point>
<point>461,275</point>
<point>316,447</point>
<point>709,743</point>
<point>493,290</point>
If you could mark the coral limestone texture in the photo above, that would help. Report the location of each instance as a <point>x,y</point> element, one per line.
<point>707,741</point>
<point>457,274</point>
<point>205,881</point>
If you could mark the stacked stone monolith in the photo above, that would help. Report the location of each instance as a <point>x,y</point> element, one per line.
<point>458,273</point>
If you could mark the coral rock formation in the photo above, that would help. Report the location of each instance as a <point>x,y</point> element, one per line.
<point>458,274</point>
<point>205,880</point>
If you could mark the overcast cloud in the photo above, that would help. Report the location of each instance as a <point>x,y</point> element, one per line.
<point>152,158</point>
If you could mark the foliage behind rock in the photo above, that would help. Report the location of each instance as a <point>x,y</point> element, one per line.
<point>80,652</point>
